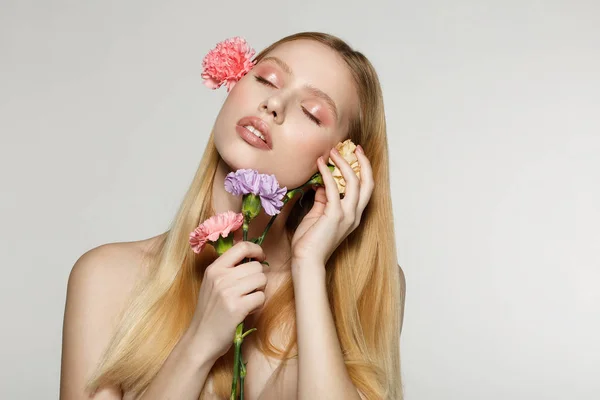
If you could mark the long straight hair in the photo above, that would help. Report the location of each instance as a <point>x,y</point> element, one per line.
<point>365,285</point>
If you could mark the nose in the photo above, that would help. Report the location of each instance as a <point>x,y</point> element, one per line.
<point>273,105</point>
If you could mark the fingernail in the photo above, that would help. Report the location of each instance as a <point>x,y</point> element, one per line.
<point>335,151</point>
<point>359,148</point>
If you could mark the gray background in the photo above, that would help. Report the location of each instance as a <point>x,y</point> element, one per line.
<point>493,116</point>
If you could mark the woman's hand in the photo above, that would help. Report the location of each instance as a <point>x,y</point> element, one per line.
<point>332,219</point>
<point>228,293</point>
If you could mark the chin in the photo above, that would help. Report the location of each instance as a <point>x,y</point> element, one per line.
<point>238,157</point>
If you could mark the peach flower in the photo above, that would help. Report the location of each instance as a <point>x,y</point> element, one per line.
<point>346,150</point>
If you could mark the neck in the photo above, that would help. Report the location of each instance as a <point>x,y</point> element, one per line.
<point>276,244</point>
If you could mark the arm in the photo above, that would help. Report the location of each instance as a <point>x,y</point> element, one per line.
<point>98,288</point>
<point>183,374</point>
<point>322,372</point>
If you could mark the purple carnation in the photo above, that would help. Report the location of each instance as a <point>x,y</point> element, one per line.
<point>249,181</point>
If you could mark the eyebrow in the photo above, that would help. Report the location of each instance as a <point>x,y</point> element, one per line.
<point>311,89</point>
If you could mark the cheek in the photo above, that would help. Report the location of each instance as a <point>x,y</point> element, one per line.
<point>306,148</point>
<point>299,162</point>
<point>238,103</point>
<point>239,98</point>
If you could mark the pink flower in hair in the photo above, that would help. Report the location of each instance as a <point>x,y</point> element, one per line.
<point>227,63</point>
<point>217,226</point>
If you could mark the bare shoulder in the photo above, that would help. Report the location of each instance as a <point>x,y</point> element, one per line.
<point>112,266</point>
<point>99,286</point>
<point>106,275</point>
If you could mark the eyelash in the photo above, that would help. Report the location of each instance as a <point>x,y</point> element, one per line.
<point>309,115</point>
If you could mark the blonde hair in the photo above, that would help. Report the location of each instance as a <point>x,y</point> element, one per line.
<point>365,284</point>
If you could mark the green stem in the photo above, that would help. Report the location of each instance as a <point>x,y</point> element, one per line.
<point>237,341</point>
<point>245,227</point>
<point>239,337</point>
<point>249,331</point>
<point>242,378</point>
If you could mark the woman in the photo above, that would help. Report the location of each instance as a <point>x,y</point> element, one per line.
<point>153,320</point>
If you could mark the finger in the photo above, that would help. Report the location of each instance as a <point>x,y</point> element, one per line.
<point>352,182</point>
<point>331,190</point>
<point>367,183</point>
<point>239,251</point>
<point>320,201</point>
<point>250,283</point>
<point>254,301</point>
<point>246,269</point>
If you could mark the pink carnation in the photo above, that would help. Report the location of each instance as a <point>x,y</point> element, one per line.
<point>227,63</point>
<point>217,225</point>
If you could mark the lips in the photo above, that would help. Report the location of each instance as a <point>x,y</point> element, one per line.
<point>260,125</point>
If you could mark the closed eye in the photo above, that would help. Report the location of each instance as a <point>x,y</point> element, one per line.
<point>312,117</point>
<point>264,81</point>
<point>309,115</point>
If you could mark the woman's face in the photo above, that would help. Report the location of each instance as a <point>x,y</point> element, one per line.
<point>304,95</point>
